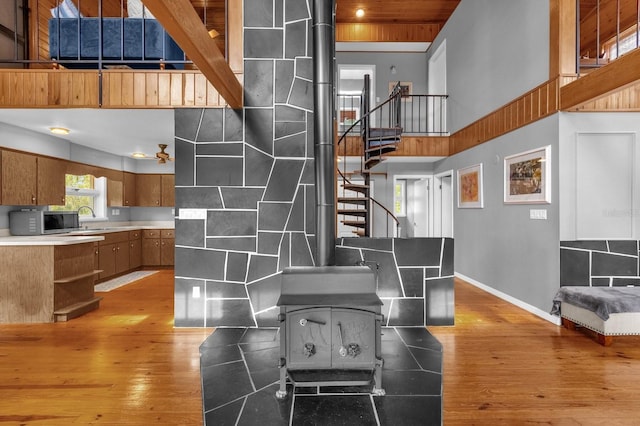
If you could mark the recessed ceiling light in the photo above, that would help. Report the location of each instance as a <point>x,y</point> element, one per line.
<point>139,155</point>
<point>59,130</point>
<point>360,13</point>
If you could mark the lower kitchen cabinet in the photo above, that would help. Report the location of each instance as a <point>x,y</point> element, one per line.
<point>113,254</point>
<point>158,247</point>
<point>46,283</point>
<point>135,249</point>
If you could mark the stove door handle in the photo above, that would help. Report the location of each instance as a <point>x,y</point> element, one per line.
<point>304,321</point>
<point>342,351</point>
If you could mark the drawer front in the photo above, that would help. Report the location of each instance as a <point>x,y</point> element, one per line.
<point>150,233</point>
<point>167,233</point>
<point>115,237</point>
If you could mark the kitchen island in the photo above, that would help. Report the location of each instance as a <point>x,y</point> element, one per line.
<point>47,278</point>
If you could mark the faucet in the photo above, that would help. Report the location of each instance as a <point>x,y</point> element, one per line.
<point>87,207</point>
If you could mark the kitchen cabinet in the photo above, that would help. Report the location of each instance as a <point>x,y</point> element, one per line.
<point>135,249</point>
<point>47,283</point>
<point>168,185</point>
<point>19,184</point>
<point>51,189</point>
<point>167,247</point>
<point>113,254</point>
<point>129,190</point>
<point>158,247</point>
<point>155,190</point>
<point>115,193</point>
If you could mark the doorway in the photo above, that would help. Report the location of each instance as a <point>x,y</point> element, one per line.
<point>443,205</point>
<point>412,205</point>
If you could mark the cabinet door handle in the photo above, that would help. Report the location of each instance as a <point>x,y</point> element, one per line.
<point>97,252</point>
<point>33,198</point>
<point>113,249</point>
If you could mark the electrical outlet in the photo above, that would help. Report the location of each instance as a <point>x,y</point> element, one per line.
<point>192,214</point>
<point>195,292</point>
<point>115,212</point>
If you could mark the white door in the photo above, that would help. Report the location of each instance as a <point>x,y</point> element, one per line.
<point>420,207</point>
<point>443,205</point>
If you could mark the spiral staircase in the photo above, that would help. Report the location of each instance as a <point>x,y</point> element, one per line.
<point>355,204</point>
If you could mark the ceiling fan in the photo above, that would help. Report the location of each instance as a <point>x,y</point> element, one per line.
<point>162,156</point>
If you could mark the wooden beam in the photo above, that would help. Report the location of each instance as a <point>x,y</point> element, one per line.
<point>562,38</point>
<point>180,20</point>
<point>615,76</point>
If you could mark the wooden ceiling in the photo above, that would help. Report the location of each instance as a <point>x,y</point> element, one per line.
<point>599,19</point>
<point>396,11</point>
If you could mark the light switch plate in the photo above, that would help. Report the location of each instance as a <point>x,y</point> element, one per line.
<point>192,214</point>
<point>540,214</point>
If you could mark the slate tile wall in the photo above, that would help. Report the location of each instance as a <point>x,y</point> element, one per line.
<point>251,172</point>
<point>607,263</point>
<point>415,276</point>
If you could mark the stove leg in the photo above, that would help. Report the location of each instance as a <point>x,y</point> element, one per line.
<point>282,392</point>
<point>377,379</point>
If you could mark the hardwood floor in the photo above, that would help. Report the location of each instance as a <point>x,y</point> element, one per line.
<point>505,366</point>
<point>125,364</point>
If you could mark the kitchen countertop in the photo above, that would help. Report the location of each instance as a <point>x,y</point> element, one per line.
<point>74,237</point>
<point>49,240</point>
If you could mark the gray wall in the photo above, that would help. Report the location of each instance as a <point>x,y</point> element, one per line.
<point>409,67</point>
<point>498,245</point>
<point>496,51</point>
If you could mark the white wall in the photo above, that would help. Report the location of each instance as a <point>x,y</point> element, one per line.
<point>496,51</point>
<point>499,245</point>
<point>614,125</point>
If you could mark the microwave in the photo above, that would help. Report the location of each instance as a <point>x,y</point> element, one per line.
<point>38,222</point>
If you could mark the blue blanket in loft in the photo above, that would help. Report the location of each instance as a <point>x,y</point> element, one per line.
<point>121,40</point>
<point>603,301</point>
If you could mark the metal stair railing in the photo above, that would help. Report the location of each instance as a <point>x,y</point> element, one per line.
<point>393,103</point>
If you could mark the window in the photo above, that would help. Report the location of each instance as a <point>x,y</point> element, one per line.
<point>628,41</point>
<point>399,198</point>
<point>85,194</point>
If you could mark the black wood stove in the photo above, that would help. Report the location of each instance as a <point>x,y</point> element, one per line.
<point>330,328</point>
<point>330,320</point>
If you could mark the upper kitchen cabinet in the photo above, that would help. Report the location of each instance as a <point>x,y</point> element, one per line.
<point>168,190</point>
<point>129,189</point>
<point>19,179</point>
<point>51,181</point>
<point>155,190</point>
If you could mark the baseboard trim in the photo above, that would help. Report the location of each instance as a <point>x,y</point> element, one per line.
<point>519,303</point>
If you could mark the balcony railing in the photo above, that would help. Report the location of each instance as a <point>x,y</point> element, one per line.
<point>87,34</point>
<point>420,115</point>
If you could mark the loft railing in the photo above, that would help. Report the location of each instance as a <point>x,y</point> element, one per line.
<point>42,33</point>
<point>420,115</point>
<point>606,30</point>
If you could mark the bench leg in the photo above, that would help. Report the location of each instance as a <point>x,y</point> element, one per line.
<point>568,324</point>
<point>604,340</point>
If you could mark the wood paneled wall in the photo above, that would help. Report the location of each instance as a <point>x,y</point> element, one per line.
<point>120,89</point>
<point>410,146</point>
<point>532,106</point>
<point>387,32</point>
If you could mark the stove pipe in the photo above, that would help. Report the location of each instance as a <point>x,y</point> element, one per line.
<point>323,104</point>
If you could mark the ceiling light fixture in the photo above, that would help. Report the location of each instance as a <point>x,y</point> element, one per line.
<point>360,13</point>
<point>59,130</point>
<point>139,155</point>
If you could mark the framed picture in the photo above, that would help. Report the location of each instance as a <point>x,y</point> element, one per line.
<point>527,177</point>
<point>470,187</point>
<point>405,89</point>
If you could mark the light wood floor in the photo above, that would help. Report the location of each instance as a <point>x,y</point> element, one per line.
<point>125,364</point>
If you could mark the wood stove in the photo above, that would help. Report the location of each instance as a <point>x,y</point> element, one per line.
<point>330,328</point>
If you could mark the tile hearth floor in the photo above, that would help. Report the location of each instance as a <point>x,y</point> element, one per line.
<point>239,373</point>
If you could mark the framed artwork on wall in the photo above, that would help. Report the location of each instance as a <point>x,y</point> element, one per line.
<point>527,177</point>
<point>406,89</point>
<point>470,187</point>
